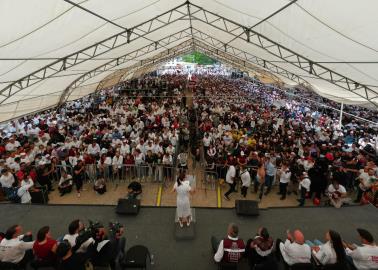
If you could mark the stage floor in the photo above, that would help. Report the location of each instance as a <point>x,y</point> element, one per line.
<point>154,226</point>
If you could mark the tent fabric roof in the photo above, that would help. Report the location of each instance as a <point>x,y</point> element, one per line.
<point>57,50</point>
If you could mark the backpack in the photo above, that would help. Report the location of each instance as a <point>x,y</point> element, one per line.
<point>13,196</point>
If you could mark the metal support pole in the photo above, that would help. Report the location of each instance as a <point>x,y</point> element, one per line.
<point>341,115</point>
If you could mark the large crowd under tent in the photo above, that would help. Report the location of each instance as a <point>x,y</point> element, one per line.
<point>158,134</point>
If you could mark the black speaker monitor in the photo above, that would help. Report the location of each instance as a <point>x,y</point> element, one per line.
<point>247,207</point>
<point>128,207</point>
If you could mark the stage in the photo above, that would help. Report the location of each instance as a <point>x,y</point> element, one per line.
<point>154,226</point>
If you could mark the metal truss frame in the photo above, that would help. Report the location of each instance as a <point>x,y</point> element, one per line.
<point>125,37</point>
<point>134,55</point>
<point>246,58</point>
<point>239,31</point>
<point>192,13</point>
<point>234,56</point>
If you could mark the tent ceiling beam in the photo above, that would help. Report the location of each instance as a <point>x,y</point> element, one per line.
<point>235,29</point>
<point>123,38</point>
<point>247,31</point>
<point>247,57</point>
<point>125,58</point>
<point>94,14</point>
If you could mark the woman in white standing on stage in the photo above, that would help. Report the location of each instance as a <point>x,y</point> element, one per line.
<point>183,189</point>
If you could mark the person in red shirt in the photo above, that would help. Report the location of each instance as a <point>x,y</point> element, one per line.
<point>44,248</point>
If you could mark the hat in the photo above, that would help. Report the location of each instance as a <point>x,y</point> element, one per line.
<point>242,153</point>
<point>305,174</point>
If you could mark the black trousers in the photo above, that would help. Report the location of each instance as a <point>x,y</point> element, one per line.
<point>283,189</point>
<point>244,191</point>
<point>232,189</point>
<point>303,196</point>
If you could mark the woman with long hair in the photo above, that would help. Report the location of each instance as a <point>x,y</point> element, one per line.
<point>183,189</point>
<point>332,251</point>
<point>44,248</point>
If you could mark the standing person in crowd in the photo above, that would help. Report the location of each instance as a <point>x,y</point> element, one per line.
<point>44,248</point>
<point>245,179</point>
<point>285,176</point>
<point>78,177</point>
<point>231,249</point>
<point>183,189</point>
<point>363,257</point>
<point>16,247</point>
<point>304,188</point>
<point>366,180</point>
<point>260,179</point>
<point>231,181</point>
<point>270,173</point>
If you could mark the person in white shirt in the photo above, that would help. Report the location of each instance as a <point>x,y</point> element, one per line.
<point>366,178</point>
<point>304,187</point>
<point>94,149</point>
<point>294,250</point>
<point>6,179</point>
<point>285,176</point>
<point>117,163</point>
<point>231,181</point>
<point>14,247</point>
<point>246,181</point>
<point>337,194</point>
<point>65,183</point>
<point>331,252</point>
<point>364,257</point>
<point>23,190</point>
<point>73,232</point>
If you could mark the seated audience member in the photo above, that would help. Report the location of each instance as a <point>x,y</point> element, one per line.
<point>73,231</point>
<point>69,260</point>
<point>44,248</point>
<point>259,248</point>
<point>337,194</point>
<point>231,249</point>
<point>363,257</point>
<point>15,247</point>
<point>100,186</point>
<point>133,190</point>
<point>331,252</point>
<point>294,250</point>
<point>6,180</point>
<point>65,183</point>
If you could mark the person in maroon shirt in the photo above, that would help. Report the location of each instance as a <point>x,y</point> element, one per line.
<point>44,248</point>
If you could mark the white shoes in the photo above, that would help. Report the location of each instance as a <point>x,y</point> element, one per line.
<point>181,225</point>
<point>188,223</point>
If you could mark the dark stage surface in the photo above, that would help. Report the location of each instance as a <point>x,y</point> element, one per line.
<point>154,227</point>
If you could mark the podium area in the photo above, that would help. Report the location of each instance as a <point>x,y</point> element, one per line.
<point>153,227</point>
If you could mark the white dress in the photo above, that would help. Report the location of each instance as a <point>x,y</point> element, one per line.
<point>183,203</point>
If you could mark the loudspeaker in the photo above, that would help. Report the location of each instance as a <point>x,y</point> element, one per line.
<point>41,196</point>
<point>247,208</point>
<point>128,207</point>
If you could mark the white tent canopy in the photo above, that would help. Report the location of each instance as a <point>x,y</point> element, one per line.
<point>57,50</point>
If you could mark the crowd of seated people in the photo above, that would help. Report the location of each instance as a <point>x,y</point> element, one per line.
<point>101,136</point>
<point>265,253</point>
<point>83,246</point>
<point>301,148</point>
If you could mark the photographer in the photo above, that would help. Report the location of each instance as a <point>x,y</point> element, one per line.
<point>118,241</point>
<point>102,247</point>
